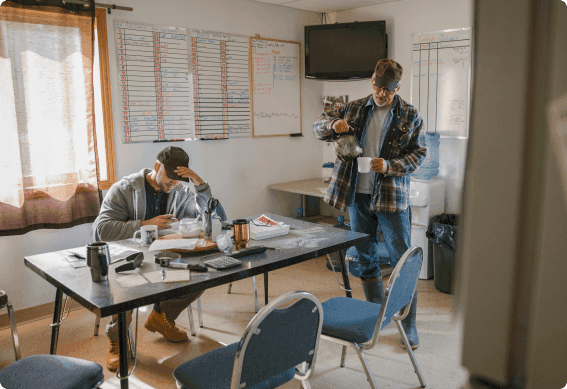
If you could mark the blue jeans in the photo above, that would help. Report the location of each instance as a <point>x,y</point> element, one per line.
<point>395,227</point>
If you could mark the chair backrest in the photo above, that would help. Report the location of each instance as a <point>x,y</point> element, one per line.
<point>278,339</point>
<point>401,287</point>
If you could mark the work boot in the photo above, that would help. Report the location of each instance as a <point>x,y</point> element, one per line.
<point>112,356</point>
<point>373,290</point>
<point>409,325</point>
<point>160,323</point>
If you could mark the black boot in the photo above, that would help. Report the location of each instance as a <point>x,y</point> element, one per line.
<point>409,325</point>
<point>373,290</point>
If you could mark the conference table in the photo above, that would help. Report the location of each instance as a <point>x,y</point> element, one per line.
<point>304,241</point>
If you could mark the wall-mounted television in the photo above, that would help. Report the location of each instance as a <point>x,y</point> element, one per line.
<point>343,51</point>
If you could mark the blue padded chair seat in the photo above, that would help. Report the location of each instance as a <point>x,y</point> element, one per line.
<point>51,372</point>
<point>350,319</point>
<point>216,371</point>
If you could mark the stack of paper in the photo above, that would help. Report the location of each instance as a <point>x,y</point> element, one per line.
<point>185,244</point>
<point>264,228</point>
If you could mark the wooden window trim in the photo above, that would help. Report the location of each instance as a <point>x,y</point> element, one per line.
<point>100,15</point>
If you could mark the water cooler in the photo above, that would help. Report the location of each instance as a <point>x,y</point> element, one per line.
<point>427,199</point>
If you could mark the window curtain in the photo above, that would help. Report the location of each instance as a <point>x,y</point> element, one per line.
<point>48,166</point>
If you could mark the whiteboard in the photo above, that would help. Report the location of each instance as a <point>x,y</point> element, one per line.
<point>441,80</point>
<point>153,68</point>
<point>275,80</point>
<point>221,84</point>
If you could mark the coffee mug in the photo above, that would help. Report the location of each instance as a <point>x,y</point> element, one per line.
<point>148,234</point>
<point>364,164</point>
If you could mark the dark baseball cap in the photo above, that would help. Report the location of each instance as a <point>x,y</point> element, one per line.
<point>172,157</point>
<point>388,74</point>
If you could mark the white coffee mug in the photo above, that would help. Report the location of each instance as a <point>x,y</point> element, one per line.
<point>148,234</point>
<point>364,164</point>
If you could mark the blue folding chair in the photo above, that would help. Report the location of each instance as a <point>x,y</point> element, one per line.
<point>357,323</point>
<point>51,372</point>
<point>274,344</point>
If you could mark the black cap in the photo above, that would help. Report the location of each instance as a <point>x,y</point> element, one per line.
<point>172,157</point>
<point>388,74</point>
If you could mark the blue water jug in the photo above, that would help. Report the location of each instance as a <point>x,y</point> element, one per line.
<point>430,167</point>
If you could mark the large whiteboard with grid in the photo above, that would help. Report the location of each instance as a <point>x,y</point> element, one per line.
<point>441,80</point>
<point>153,73</point>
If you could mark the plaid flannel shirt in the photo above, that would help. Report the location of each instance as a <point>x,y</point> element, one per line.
<point>403,149</point>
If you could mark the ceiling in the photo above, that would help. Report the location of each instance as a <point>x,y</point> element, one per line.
<point>325,6</point>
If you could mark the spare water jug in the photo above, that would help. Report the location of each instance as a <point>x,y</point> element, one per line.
<point>430,167</point>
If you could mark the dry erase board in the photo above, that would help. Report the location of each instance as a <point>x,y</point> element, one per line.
<point>275,80</point>
<point>221,84</point>
<point>441,80</point>
<point>153,68</point>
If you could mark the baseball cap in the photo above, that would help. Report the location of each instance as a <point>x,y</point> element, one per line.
<point>172,157</point>
<point>388,74</point>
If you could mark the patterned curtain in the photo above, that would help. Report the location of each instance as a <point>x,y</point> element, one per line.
<point>48,166</point>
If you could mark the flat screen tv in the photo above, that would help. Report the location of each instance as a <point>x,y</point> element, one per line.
<point>343,51</point>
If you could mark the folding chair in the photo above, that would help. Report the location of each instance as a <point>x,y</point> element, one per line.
<point>4,302</point>
<point>275,342</point>
<point>51,372</point>
<point>357,323</point>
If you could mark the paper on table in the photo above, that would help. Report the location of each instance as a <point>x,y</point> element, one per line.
<point>177,276</point>
<point>186,244</point>
<point>131,280</point>
<point>154,276</point>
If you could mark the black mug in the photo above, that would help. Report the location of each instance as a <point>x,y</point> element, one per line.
<point>98,258</point>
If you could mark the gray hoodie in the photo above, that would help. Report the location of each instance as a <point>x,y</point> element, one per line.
<point>124,206</point>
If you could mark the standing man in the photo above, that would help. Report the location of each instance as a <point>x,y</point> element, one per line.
<point>152,197</point>
<point>390,131</point>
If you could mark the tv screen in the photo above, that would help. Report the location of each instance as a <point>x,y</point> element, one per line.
<point>344,51</point>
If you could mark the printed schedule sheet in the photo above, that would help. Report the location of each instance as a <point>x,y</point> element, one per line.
<point>153,68</point>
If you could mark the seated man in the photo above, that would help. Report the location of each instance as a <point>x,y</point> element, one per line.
<point>152,197</point>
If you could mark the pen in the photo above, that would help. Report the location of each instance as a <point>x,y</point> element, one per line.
<point>163,274</point>
<point>169,140</point>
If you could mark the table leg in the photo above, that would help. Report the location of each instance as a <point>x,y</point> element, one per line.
<point>56,321</point>
<point>346,281</point>
<point>123,350</point>
<point>266,288</point>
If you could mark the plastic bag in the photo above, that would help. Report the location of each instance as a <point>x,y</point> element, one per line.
<point>441,230</point>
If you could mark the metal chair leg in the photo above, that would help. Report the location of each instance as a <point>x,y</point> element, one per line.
<point>229,288</point>
<point>343,356</point>
<point>256,307</point>
<point>411,355</point>
<point>131,342</point>
<point>305,384</point>
<point>15,338</point>
<point>365,365</point>
<point>199,312</point>
<point>190,313</point>
<point>96,325</point>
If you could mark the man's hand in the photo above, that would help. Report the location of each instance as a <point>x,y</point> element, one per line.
<point>186,172</point>
<point>379,165</point>
<point>161,221</point>
<point>340,126</point>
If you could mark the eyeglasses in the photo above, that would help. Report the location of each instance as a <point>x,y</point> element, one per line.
<point>384,89</point>
<point>261,224</point>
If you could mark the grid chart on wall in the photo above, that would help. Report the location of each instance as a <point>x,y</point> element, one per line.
<point>441,74</point>
<point>153,68</point>
<point>221,85</point>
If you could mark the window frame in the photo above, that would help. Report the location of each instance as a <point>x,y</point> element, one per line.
<point>106,98</point>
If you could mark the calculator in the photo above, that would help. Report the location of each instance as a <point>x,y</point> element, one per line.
<point>222,262</point>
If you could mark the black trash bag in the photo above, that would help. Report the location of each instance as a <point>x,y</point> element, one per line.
<point>441,230</point>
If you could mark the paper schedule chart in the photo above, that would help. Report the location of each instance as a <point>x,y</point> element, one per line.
<point>220,84</point>
<point>153,68</point>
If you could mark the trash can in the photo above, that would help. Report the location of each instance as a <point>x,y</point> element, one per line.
<point>441,232</point>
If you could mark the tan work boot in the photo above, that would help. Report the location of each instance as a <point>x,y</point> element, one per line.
<point>112,356</point>
<point>160,323</point>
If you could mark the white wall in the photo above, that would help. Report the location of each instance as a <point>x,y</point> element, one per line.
<point>402,19</point>
<point>238,170</point>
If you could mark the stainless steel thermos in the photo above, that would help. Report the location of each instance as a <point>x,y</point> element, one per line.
<point>98,258</point>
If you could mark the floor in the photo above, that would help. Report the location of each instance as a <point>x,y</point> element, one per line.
<point>226,315</point>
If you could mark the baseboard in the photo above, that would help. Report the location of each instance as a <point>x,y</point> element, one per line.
<point>31,314</point>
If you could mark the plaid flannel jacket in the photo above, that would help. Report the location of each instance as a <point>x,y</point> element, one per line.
<point>403,149</point>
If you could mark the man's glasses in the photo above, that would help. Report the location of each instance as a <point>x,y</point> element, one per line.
<point>261,224</point>
<point>384,89</point>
